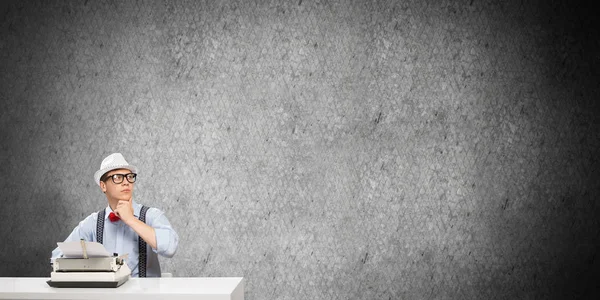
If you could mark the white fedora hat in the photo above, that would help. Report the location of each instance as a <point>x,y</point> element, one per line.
<point>113,162</point>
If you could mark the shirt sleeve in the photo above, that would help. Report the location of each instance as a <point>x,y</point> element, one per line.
<point>85,230</point>
<point>167,239</point>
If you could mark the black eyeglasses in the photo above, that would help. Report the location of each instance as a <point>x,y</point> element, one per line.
<point>118,178</point>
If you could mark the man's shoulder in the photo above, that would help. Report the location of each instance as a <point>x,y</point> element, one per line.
<point>89,222</point>
<point>152,213</point>
<point>148,207</point>
<point>93,216</point>
<point>153,210</point>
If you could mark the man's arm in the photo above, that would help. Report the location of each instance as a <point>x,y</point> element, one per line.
<point>146,232</point>
<point>156,232</point>
<point>167,239</point>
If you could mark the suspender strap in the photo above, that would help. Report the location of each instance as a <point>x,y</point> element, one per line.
<point>141,243</point>
<point>142,246</point>
<point>100,227</point>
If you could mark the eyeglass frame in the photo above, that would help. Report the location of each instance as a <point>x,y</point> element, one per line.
<point>124,176</point>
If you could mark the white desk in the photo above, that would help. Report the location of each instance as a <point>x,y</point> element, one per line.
<point>176,288</point>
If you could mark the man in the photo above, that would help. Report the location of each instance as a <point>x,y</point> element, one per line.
<point>120,222</point>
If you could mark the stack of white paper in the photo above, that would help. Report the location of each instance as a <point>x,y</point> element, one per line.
<point>75,249</point>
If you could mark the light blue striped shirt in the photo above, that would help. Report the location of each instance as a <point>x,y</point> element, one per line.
<point>120,238</point>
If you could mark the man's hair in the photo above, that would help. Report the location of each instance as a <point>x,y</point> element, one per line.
<point>104,177</point>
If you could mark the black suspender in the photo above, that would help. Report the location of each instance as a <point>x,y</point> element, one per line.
<point>142,246</point>
<point>100,227</point>
<point>141,243</point>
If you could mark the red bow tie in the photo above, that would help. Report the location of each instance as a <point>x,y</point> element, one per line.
<point>113,217</point>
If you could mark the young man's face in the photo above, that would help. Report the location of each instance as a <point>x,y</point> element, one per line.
<point>119,191</point>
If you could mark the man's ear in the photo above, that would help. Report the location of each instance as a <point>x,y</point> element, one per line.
<point>103,186</point>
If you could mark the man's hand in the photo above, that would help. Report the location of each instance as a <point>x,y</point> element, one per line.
<point>125,211</point>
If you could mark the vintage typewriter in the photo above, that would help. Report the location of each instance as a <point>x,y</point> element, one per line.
<point>88,264</point>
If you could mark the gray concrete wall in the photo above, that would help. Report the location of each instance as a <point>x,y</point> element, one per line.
<point>320,149</point>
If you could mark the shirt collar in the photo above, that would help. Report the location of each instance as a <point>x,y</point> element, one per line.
<point>136,210</point>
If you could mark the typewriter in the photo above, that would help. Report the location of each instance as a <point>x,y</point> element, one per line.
<point>88,264</point>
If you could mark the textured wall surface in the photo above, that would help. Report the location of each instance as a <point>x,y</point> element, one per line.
<point>320,149</point>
